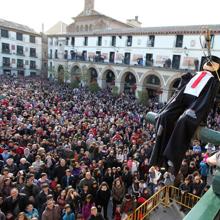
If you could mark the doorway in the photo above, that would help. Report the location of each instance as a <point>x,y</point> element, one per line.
<point>176,61</point>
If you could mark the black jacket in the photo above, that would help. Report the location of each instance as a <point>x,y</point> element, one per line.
<point>97,217</point>
<point>72,182</point>
<point>102,197</point>
<point>16,206</point>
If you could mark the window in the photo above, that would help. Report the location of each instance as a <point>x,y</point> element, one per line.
<point>50,41</point>
<point>127,58</point>
<point>5,48</point>
<point>32,64</point>
<point>32,39</point>
<point>73,41</point>
<point>51,54</point>
<point>113,41</point>
<point>179,40</point>
<point>19,36</point>
<point>66,54</point>
<point>99,41</point>
<point>51,65</point>
<point>33,52</point>
<point>56,54</point>
<point>86,41</point>
<point>20,63</point>
<point>129,41</point>
<point>56,42</point>
<point>73,55</point>
<point>6,61</point>
<point>20,50</point>
<point>67,41</point>
<point>4,33</point>
<point>151,40</point>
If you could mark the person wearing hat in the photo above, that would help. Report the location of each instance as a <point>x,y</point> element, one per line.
<point>179,119</point>
<point>69,215</point>
<point>30,189</point>
<point>41,198</point>
<point>52,211</point>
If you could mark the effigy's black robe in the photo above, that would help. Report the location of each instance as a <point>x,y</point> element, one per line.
<point>178,121</point>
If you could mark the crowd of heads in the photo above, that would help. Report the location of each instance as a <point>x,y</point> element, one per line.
<point>68,152</point>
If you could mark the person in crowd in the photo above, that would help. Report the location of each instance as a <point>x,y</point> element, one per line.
<point>54,138</point>
<point>118,193</point>
<point>31,212</point>
<point>197,186</point>
<point>22,216</point>
<point>74,200</point>
<point>68,180</point>
<point>52,211</point>
<point>95,215</point>
<point>86,207</point>
<point>102,197</point>
<point>128,205</point>
<point>69,215</point>
<point>15,203</point>
<point>185,188</point>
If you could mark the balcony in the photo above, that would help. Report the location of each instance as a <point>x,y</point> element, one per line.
<point>20,66</point>
<point>6,51</point>
<point>7,65</point>
<point>33,55</point>
<point>20,54</point>
<point>33,67</point>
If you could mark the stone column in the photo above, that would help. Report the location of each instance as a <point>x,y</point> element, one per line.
<point>165,95</point>
<point>101,83</point>
<point>120,86</point>
<point>139,89</point>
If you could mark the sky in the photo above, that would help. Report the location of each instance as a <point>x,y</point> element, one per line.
<point>34,13</point>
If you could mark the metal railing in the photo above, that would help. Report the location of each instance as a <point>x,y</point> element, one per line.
<point>164,197</point>
<point>187,200</point>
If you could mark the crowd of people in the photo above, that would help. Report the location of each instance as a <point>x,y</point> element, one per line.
<point>71,154</point>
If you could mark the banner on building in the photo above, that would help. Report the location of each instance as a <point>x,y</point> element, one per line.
<point>189,61</point>
<point>137,56</point>
<point>119,56</point>
<point>91,54</point>
<point>105,56</point>
<point>160,59</point>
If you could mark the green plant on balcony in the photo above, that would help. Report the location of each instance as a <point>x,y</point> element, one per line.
<point>75,84</point>
<point>94,87</point>
<point>143,97</point>
<point>85,76</point>
<point>66,75</point>
<point>115,91</point>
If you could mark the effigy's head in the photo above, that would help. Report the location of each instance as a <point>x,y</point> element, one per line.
<point>212,64</point>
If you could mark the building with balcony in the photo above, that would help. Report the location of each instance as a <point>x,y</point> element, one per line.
<point>20,49</point>
<point>144,58</point>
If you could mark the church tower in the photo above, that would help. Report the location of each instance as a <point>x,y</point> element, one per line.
<point>89,5</point>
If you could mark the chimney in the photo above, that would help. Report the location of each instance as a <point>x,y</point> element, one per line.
<point>136,18</point>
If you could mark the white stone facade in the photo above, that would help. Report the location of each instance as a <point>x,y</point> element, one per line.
<point>152,56</point>
<point>19,57</point>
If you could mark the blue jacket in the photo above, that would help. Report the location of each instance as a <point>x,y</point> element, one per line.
<point>204,169</point>
<point>70,216</point>
<point>32,214</point>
